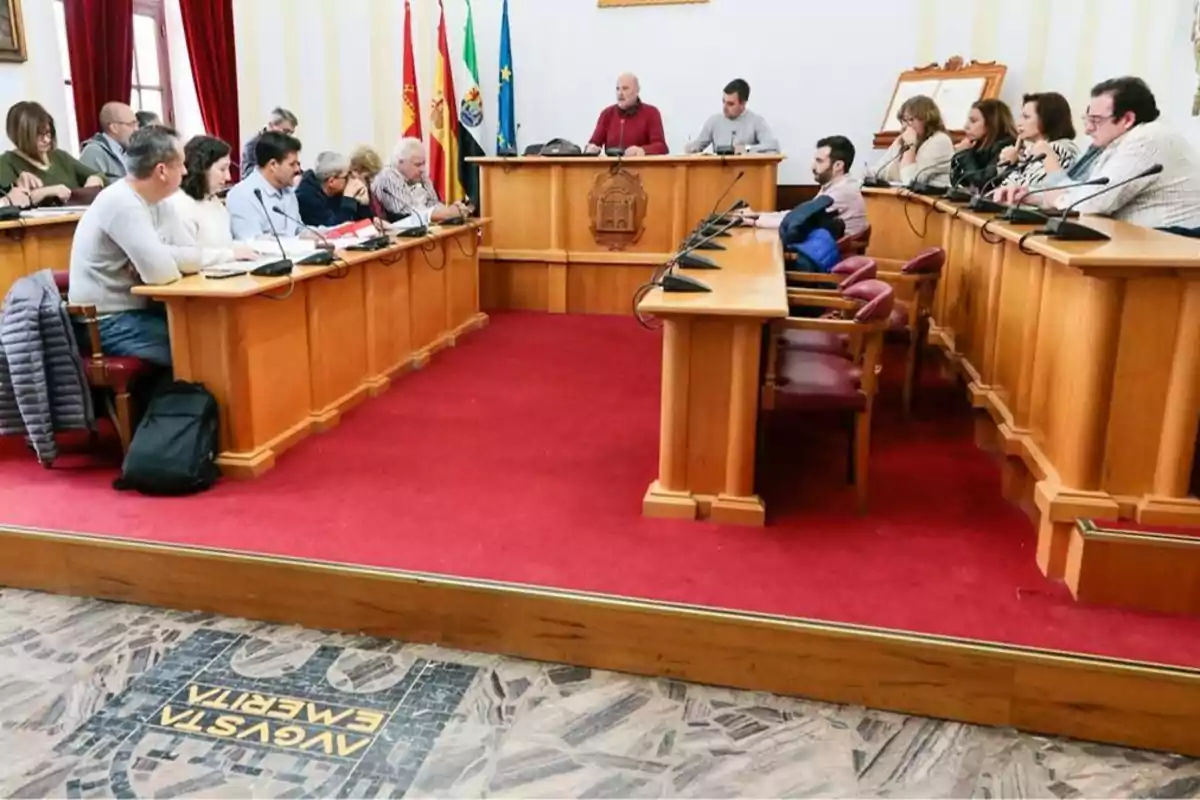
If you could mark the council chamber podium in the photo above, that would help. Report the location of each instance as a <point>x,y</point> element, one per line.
<point>580,234</point>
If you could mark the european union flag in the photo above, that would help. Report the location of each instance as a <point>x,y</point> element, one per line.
<point>506,134</point>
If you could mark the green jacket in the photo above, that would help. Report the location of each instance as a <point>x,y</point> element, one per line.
<point>64,170</point>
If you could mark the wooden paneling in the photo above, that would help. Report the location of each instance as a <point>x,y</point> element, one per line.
<point>604,288</point>
<point>285,356</point>
<point>1084,353</point>
<point>1051,693</point>
<point>30,245</point>
<point>517,285</point>
<point>1131,569</point>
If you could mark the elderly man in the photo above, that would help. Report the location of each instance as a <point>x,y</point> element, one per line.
<point>280,121</point>
<point>403,188</point>
<point>105,152</point>
<point>129,236</point>
<point>631,126</point>
<point>328,195</point>
<point>736,127</point>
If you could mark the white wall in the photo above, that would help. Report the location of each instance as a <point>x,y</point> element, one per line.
<point>41,77</point>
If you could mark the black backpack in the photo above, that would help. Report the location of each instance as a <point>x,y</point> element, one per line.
<point>175,444</point>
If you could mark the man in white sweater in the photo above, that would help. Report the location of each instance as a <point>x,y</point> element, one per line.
<point>129,236</point>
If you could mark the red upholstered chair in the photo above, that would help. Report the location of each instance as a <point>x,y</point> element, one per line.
<point>916,283</point>
<point>855,245</point>
<point>115,373</point>
<point>812,382</point>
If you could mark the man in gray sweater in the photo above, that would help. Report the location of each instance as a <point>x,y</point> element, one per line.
<point>127,237</point>
<point>736,129</point>
<point>105,152</point>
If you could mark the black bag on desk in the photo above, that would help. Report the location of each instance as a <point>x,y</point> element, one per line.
<point>174,448</point>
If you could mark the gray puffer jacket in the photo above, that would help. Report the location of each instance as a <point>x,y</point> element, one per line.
<point>43,387</point>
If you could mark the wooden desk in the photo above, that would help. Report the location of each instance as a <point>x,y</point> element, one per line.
<point>286,356</point>
<point>712,345</point>
<point>1084,355</point>
<point>543,254</point>
<point>29,245</point>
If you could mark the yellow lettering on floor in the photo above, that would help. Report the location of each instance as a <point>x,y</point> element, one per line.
<point>325,739</point>
<point>196,696</point>
<point>345,748</point>
<point>225,725</point>
<point>325,716</point>
<point>287,708</point>
<point>365,721</point>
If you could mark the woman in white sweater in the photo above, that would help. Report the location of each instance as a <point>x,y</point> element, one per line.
<point>922,151</point>
<point>196,203</point>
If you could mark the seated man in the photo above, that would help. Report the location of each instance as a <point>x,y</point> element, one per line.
<point>278,159</point>
<point>127,237</point>
<point>630,124</point>
<point>736,127</point>
<point>831,169</point>
<point>328,195</point>
<point>280,121</point>
<point>403,188</point>
<point>105,152</point>
<point>1123,118</point>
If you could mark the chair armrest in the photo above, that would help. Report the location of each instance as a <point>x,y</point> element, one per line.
<point>823,300</point>
<point>823,278</point>
<point>817,324</point>
<point>91,321</point>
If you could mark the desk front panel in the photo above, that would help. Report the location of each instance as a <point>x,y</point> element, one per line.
<point>26,249</point>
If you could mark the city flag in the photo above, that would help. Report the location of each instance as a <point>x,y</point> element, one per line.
<point>506,135</point>
<point>443,141</point>
<point>470,118</point>
<point>412,101</point>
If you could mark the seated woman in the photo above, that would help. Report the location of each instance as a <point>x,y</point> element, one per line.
<point>199,210</point>
<point>1045,129</point>
<point>365,165</point>
<point>989,130</point>
<point>923,150</point>
<point>36,164</point>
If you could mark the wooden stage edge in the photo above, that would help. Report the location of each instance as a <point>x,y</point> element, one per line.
<point>1085,697</point>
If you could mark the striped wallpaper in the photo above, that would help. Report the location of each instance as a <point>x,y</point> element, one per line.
<point>336,63</point>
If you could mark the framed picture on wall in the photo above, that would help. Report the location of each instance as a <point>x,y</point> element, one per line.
<point>12,31</point>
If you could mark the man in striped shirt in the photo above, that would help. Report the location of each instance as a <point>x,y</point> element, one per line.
<point>403,188</point>
<point>1123,119</point>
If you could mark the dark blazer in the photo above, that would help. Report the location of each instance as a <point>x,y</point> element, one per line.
<point>319,209</point>
<point>976,166</point>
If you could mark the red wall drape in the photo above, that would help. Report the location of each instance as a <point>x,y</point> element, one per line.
<point>208,27</point>
<point>100,46</point>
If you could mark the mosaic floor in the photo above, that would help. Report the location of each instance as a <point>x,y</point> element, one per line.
<point>106,700</point>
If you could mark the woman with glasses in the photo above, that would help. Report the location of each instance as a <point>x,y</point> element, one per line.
<point>1045,130</point>
<point>35,163</point>
<point>989,132</point>
<point>923,150</point>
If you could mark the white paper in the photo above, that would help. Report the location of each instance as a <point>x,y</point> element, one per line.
<point>54,211</point>
<point>954,98</point>
<point>904,91</point>
<point>293,246</point>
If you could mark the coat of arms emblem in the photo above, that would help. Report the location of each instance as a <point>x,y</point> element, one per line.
<point>617,208</point>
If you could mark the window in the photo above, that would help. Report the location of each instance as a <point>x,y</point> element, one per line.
<point>151,82</point>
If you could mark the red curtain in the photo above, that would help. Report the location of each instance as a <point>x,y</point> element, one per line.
<point>208,27</point>
<point>100,46</point>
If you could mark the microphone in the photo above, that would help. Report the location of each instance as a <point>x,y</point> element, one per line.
<point>684,257</point>
<point>1063,229</point>
<point>620,148</point>
<point>873,181</point>
<point>713,216</point>
<point>1029,216</point>
<point>957,195</point>
<point>726,150</point>
<point>917,186</point>
<point>284,265</point>
<point>321,257</point>
<point>382,240</point>
<point>984,204</point>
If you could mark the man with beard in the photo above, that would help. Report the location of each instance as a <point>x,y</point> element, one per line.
<point>831,170</point>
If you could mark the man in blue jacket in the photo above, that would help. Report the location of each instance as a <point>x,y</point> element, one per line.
<point>329,196</point>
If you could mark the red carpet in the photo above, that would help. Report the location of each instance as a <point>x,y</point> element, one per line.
<point>523,454</point>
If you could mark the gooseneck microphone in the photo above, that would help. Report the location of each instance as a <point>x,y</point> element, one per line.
<point>873,179</point>
<point>275,268</point>
<point>917,186</point>
<point>1031,216</point>
<point>984,204</point>
<point>318,258</point>
<point>1059,227</point>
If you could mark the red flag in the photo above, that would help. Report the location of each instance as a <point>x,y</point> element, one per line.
<point>412,102</point>
<point>443,140</point>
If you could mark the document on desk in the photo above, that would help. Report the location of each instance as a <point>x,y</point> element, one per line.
<point>293,246</point>
<point>52,211</point>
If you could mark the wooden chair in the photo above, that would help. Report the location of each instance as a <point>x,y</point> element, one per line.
<point>855,245</point>
<point>916,282</point>
<point>813,381</point>
<point>114,373</point>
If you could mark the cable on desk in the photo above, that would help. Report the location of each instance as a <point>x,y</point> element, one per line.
<point>913,228</point>
<point>291,288</point>
<point>461,249</point>
<point>638,295</point>
<point>425,251</point>
<point>983,233</point>
<point>1024,236</point>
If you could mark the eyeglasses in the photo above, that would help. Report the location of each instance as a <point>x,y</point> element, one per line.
<point>1096,120</point>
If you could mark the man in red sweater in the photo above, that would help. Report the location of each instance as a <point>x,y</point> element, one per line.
<point>631,124</point>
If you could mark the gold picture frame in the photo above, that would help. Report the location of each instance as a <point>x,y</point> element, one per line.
<point>12,31</point>
<point>617,3</point>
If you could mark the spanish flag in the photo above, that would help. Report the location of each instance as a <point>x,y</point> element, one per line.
<point>412,101</point>
<point>443,143</point>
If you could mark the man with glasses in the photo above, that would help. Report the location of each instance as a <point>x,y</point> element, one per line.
<point>280,121</point>
<point>105,152</point>
<point>329,196</point>
<point>1122,120</point>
